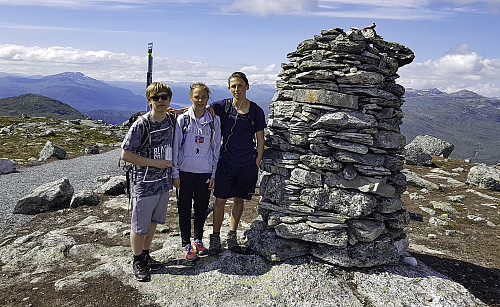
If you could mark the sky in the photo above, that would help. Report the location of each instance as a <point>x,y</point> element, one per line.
<point>456,42</point>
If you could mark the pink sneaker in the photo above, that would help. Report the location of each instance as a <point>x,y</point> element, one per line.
<point>199,248</point>
<point>189,253</point>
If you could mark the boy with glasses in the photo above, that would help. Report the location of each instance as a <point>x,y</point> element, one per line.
<point>148,146</point>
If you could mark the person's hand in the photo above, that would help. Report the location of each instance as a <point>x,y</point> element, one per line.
<point>211,110</point>
<point>258,163</point>
<point>160,163</point>
<point>172,110</point>
<point>211,184</point>
<point>176,182</point>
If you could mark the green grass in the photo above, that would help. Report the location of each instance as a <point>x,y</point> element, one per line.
<point>27,143</point>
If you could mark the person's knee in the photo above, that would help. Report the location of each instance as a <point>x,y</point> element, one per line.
<point>220,202</point>
<point>238,201</point>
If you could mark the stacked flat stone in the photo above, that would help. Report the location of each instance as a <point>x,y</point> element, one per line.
<point>332,176</point>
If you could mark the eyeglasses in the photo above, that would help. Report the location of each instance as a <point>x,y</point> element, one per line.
<point>163,97</point>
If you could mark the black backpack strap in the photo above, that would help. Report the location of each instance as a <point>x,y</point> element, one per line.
<point>145,135</point>
<point>228,103</point>
<point>212,130</point>
<point>185,128</point>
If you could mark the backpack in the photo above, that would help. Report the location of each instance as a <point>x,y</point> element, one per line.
<point>145,141</point>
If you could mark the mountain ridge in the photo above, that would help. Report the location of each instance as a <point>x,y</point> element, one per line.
<point>35,105</point>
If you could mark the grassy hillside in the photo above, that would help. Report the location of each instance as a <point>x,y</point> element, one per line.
<point>37,106</point>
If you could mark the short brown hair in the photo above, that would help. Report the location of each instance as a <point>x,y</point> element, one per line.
<point>237,74</point>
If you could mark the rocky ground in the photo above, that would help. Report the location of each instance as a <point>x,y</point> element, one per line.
<point>467,250</point>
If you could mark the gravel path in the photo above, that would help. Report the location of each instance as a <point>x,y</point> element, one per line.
<point>82,173</point>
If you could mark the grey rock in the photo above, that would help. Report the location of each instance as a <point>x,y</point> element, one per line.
<point>361,77</point>
<point>84,198</point>
<point>350,203</point>
<point>365,184</point>
<point>52,150</point>
<point>367,159</point>
<point>306,178</point>
<point>48,197</point>
<point>485,177</point>
<point>38,249</point>
<point>326,97</point>
<point>389,139</point>
<point>443,206</point>
<point>6,166</point>
<point>303,231</point>
<point>321,162</point>
<point>116,185</point>
<point>398,220</point>
<point>363,254</point>
<point>348,146</point>
<point>434,221</point>
<point>92,150</point>
<point>366,230</point>
<point>345,120</point>
<point>432,145</point>
<point>390,205</point>
<point>416,156</point>
<point>272,187</point>
<point>414,180</point>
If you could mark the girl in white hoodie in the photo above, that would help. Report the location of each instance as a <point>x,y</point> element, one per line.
<point>195,155</point>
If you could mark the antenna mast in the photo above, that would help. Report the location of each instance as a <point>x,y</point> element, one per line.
<point>149,76</point>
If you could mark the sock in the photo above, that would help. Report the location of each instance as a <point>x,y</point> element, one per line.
<point>145,252</point>
<point>137,257</point>
<point>232,232</point>
<point>216,233</point>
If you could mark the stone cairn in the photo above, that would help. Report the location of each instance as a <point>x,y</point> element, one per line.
<point>332,178</point>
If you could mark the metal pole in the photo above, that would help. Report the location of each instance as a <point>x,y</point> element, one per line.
<point>149,76</point>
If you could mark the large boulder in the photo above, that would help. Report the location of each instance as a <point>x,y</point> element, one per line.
<point>7,166</point>
<point>485,177</point>
<point>48,197</point>
<point>430,145</point>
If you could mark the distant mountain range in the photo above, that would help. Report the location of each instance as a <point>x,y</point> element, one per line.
<point>469,121</point>
<point>113,103</point>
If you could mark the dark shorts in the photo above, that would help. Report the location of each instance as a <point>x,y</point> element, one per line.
<point>233,181</point>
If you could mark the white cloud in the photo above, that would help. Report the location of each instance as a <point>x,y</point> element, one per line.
<point>461,68</point>
<point>109,66</point>
<point>272,7</point>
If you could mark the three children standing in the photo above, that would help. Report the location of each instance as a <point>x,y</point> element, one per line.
<point>189,159</point>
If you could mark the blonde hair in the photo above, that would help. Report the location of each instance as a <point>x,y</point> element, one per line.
<point>155,88</point>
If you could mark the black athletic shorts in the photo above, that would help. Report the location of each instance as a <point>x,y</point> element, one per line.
<point>233,181</point>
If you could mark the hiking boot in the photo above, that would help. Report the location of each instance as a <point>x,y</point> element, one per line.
<point>141,271</point>
<point>215,246</point>
<point>189,253</point>
<point>151,263</point>
<point>199,248</point>
<point>232,242</point>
